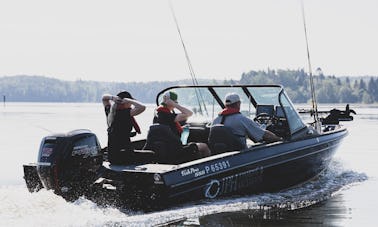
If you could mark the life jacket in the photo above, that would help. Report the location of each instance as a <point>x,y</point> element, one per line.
<point>227,112</point>
<point>166,117</point>
<point>123,123</point>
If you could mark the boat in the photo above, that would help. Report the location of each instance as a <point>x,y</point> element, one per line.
<point>74,164</point>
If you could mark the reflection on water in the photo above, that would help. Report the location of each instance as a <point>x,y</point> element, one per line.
<point>342,195</point>
<point>331,212</point>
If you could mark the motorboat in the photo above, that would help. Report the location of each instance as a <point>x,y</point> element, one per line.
<point>74,164</point>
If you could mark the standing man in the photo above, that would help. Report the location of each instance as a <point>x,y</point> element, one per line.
<point>120,111</point>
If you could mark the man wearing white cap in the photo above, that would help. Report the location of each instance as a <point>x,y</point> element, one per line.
<point>240,125</point>
<point>166,115</point>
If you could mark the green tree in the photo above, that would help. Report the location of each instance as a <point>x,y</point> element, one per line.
<point>347,82</point>
<point>362,85</point>
<point>373,88</point>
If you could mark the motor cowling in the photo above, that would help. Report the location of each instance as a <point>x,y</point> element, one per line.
<point>69,163</point>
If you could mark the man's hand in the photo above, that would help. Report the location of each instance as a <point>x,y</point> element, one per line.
<point>170,102</point>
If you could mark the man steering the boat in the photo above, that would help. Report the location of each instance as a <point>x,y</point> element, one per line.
<point>120,111</point>
<point>240,125</point>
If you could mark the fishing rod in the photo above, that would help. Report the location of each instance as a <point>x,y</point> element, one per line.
<point>313,95</point>
<point>191,70</point>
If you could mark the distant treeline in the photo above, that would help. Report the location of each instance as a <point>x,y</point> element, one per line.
<point>329,89</point>
<point>44,89</point>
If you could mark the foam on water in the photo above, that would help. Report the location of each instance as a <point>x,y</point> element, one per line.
<point>21,208</point>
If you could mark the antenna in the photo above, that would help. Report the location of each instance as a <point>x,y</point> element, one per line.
<point>313,95</point>
<point>191,70</point>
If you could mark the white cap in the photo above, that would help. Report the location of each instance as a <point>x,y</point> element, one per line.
<point>231,98</point>
<point>171,95</point>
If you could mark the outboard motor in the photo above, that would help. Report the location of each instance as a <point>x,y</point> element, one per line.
<point>67,163</point>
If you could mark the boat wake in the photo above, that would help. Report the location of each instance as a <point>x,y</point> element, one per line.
<point>21,208</point>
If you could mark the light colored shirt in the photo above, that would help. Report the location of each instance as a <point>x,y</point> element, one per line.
<point>242,127</point>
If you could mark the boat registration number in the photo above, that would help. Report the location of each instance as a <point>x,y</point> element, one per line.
<point>212,168</point>
<point>217,166</point>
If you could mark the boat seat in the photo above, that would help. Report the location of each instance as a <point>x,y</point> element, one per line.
<point>222,140</point>
<point>164,143</point>
<point>143,156</point>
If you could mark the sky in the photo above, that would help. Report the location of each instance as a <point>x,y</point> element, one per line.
<point>137,40</point>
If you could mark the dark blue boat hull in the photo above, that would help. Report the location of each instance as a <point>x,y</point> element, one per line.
<point>262,168</point>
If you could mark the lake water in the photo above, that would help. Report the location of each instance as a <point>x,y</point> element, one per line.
<point>344,195</point>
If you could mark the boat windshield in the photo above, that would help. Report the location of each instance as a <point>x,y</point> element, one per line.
<point>207,101</point>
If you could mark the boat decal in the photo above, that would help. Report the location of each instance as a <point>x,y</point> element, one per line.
<point>207,169</point>
<point>158,179</point>
<point>241,180</point>
<point>85,150</point>
<point>189,171</point>
<point>43,163</point>
<point>46,151</point>
<point>212,189</point>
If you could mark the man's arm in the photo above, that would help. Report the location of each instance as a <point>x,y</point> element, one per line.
<point>106,99</point>
<point>138,106</point>
<point>185,113</point>
<point>255,133</point>
<point>270,137</point>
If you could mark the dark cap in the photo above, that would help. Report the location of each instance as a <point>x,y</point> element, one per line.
<point>124,94</point>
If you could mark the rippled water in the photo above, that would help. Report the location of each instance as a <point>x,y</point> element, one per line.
<point>351,177</point>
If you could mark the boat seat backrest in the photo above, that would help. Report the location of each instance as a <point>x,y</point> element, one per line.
<point>222,140</point>
<point>163,142</point>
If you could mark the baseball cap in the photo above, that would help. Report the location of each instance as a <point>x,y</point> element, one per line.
<point>171,95</point>
<point>231,98</point>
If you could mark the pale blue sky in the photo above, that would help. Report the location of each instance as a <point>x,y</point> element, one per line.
<point>136,40</point>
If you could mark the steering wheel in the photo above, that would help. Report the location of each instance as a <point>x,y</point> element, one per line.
<point>263,118</point>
